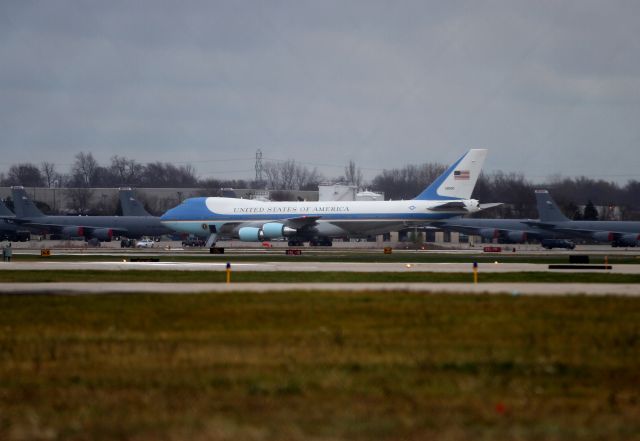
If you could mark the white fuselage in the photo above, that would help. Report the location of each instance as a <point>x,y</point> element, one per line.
<point>347,217</point>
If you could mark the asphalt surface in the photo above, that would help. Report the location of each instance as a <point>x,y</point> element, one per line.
<point>301,266</point>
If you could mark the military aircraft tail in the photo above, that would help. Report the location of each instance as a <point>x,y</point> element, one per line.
<point>23,205</point>
<point>130,205</point>
<point>4,210</point>
<point>548,211</point>
<point>459,180</point>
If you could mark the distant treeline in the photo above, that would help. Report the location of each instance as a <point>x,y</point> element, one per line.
<point>512,189</point>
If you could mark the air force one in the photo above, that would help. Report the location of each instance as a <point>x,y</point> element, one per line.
<point>317,222</point>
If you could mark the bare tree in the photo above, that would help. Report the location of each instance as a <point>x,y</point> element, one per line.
<point>84,169</point>
<point>407,182</point>
<point>287,174</point>
<point>306,179</point>
<point>126,171</point>
<point>352,174</point>
<point>272,175</point>
<point>49,173</point>
<point>25,174</point>
<point>79,199</point>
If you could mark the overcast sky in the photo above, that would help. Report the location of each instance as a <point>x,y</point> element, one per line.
<point>547,86</point>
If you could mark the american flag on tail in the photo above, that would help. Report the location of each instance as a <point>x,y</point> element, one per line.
<point>461,175</point>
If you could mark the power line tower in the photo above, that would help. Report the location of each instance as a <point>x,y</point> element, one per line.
<point>259,165</point>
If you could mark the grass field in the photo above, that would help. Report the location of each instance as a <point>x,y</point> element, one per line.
<point>219,276</point>
<point>319,366</point>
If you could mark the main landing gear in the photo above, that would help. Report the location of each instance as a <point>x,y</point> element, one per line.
<point>319,242</point>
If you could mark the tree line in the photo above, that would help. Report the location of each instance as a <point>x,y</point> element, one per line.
<point>512,189</point>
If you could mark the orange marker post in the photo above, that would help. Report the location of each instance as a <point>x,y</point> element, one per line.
<point>228,272</point>
<point>475,273</point>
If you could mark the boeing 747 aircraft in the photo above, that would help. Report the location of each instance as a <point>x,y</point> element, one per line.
<point>618,233</point>
<point>317,222</point>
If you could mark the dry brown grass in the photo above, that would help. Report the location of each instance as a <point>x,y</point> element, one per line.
<point>319,366</point>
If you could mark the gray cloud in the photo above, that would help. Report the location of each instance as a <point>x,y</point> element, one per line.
<point>548,87</point>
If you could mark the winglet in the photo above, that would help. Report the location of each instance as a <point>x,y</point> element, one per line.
<point>459,180</point>
<point>23,205</point>
<point>548,211</point>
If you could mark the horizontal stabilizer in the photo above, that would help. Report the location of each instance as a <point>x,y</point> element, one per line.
<point>491,205</point>
<point>449,206</point>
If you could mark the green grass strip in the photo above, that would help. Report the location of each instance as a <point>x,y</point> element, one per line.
<point>306,276</point>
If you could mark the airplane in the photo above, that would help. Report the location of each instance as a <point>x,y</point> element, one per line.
<point>507,230</point>
<point>130,205</point>
<point>618,233</point>
<point>101,228</point>
<point>318,222</point>
<point>8,229</point>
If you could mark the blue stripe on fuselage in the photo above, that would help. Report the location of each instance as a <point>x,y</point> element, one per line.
<point>195,209</point>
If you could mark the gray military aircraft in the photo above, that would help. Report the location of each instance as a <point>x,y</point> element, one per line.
<point>132,207</point>
<point>618,233</point>
<point>505,230</point>
<point>8,229</point>
<point>102,228</point>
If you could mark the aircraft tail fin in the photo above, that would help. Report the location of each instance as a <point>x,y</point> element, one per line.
<point>130,205</point>
<point>548,211</point>
<point>459,180</point>
<point>23,205</point>
<point>4,210</point>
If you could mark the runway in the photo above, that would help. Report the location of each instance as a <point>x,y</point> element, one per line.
<point>300,267</point>
<point>514,289</point>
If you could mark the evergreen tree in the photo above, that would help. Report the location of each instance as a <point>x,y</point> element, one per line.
<point>590,212</point>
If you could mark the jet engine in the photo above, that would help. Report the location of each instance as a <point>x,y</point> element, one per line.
<point>73,231</point>
<point>489,233</point>
<point>102,234</point>
<point>628,240</point>
<point>276,230</point>
<point>250,234</point>
<point>603,236</point>
<point>517,236</point>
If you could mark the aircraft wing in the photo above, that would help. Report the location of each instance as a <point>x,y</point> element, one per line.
<point>301,222</point>
<point>86,229</point>
<point>584,232</point>
<point>490,205</point>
